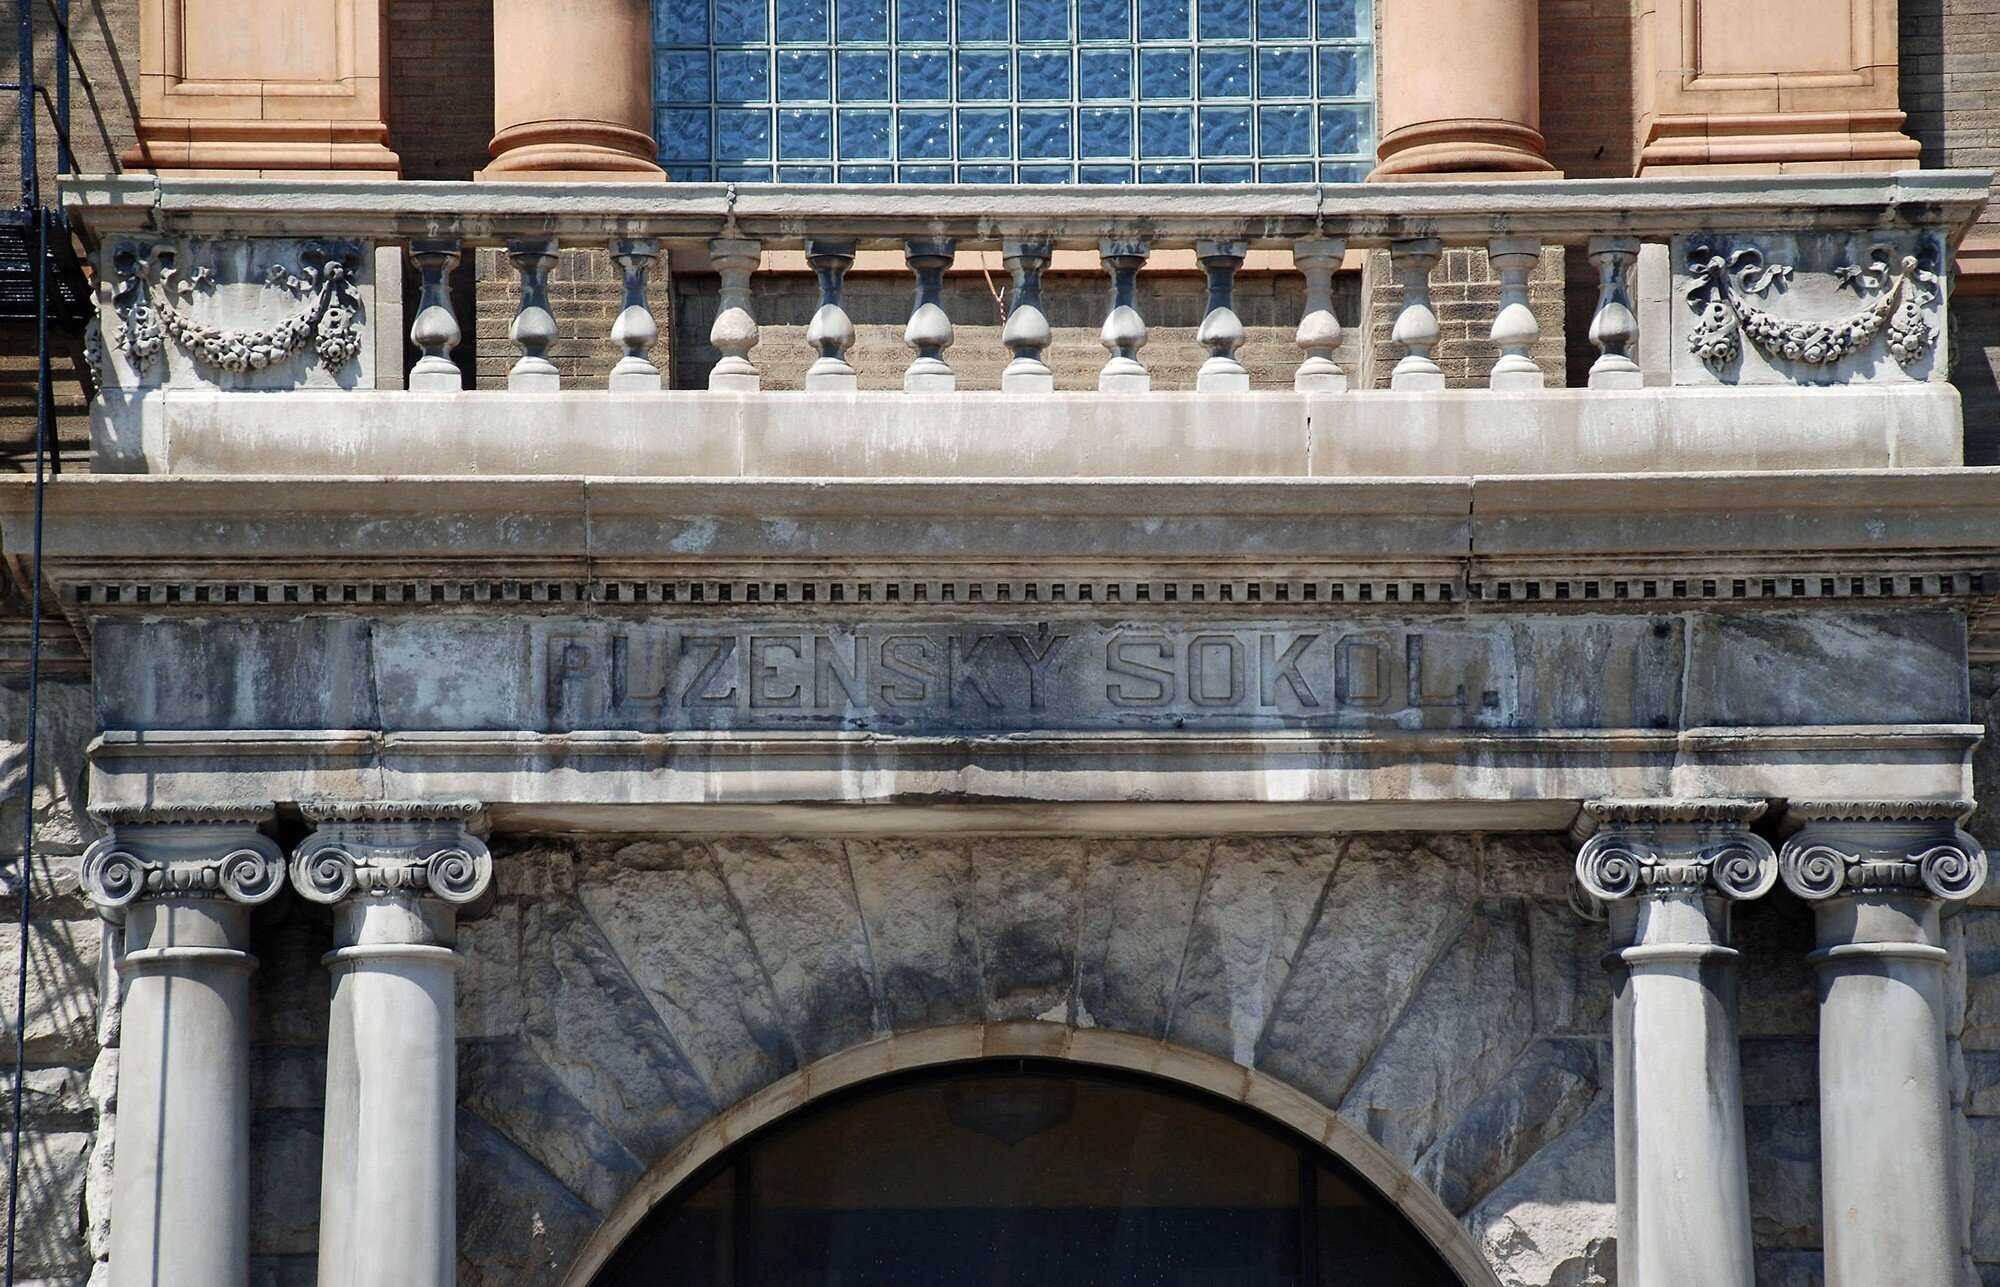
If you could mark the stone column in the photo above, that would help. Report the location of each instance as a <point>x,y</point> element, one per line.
<point>1878,873</point>
<point>1461,90</point>
<point>397,876</point>
<point>1667,872</point>
<point>572,91</point>
<point>183,881</point>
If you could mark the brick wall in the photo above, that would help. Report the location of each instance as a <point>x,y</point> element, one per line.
<point>1950,54</point>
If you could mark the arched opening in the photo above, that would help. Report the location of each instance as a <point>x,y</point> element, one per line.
<point>1023,1171</point>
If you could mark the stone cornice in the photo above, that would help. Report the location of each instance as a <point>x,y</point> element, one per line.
<point>325,811</point>
<point>249,813</point>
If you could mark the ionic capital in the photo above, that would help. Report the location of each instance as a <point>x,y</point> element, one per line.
<point>1664,848</point>
<point>182,852</point>
<point>1911,847</point>
<point>389,849</point>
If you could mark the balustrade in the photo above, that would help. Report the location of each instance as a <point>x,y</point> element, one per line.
<point>1807,281</point>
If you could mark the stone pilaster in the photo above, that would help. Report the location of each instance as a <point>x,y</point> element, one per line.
<point>1667,873</point>
<point>182,882</point>
<point>1878,874</point>
<point>398,876</point>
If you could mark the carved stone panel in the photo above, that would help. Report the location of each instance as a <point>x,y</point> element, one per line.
<point>1863,308</point>
<point>255,314</point>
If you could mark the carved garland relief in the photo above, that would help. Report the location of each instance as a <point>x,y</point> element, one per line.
<point>1724,292</point>
<point>152,293</point>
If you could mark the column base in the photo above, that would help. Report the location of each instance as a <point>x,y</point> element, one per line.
<point>1778,143</point>
<point>572,150</point>
<point>1462,149</point>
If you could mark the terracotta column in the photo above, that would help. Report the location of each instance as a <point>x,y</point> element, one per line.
<point>1461,90</point>
<point>572,90</point>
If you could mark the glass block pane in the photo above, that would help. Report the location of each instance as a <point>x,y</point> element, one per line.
<point>1104,174</point>
<point>920,22</point>
<point>1045,174</point>
<point>1104,73</point>
<point>866,174</point>
<point>864,136</point>
<point>985,134</point>
<point>1166,131</point>
<point>923,76</point>
<point>805,174</point>
<point>1045,75</point>
<point>983,20</point>
<point>1284,19</point>
<point>688,173</point>
<point>1340,19</point>
<point>684,135</point>
<point>1284,72</point>
<point>1166,73</point>
<point>1285,172</point>
<point>743,173</point>
<point>1104,132</point>
<point>1226,173</point>
<point>1166,174</point>
<point>1222,19</point>
<point>1342,130</point>
<point>805,136</point>
<point>1104,20</point>
<point>1044,135</point>
<point>742,76</point>
<point>802,20</point>
<point>924,174</point>
<point>982,74</point>
<point>1284,131</point>
<point>738,22</point>
<point>682,77</point>
<point>862,20</point>
<point>985,174</point>
<point>1344,173</point>
<point>680,22</point>
<point>1225,131</point>
<point>1340,71</point>
<point>863,78</point>
<point>1038,21</point>
<point>804,76</point>
<point>1225,72</point>
<point>923,135</point>
<point>1163,19</point>
<point>742,136</point>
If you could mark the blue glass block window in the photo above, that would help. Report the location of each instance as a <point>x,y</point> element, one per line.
<point>1015,91</point>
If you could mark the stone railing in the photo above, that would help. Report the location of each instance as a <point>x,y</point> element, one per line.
<point>1766,283</point>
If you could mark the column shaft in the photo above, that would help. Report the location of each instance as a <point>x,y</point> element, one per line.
<point>1879,874</point>
<point>397,876</point>
<point>1461,90</point>
<point>183,882</point>
<point>572,91</point>
<point>1667,872</point>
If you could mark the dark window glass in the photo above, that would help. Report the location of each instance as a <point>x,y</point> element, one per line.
<point>1025,1174</point>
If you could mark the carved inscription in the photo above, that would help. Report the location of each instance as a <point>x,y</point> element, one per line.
<point>1059,675</point>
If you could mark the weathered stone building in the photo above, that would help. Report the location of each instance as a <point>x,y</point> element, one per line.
<point>726,704</point>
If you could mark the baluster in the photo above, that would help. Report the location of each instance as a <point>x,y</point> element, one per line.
<point>1614,328</point>
<point>1319,329</point>
<point>1124,332</point>
<point>534,326</point>
<point>635,330</point>
<point>1416,325</point>
<point>929,331</point>
<point>735,330</point>
<point>434,330</point>
<point>1221,330</point>
<point>831,331</point>
<point>1514,326</point>
<point>1026,334</point>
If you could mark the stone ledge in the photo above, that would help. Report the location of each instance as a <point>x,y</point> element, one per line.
<point>980,434</point>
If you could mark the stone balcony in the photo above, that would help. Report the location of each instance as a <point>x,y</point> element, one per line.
<point>1743,324</point>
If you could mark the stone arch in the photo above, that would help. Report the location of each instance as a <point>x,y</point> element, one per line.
<point>962,1043</point>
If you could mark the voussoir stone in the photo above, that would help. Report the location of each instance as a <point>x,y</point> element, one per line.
<point>1554,1223</point>
<point>1138,905</point>
<point>917,902</point>
<point>1546,1091</point>
<point>517,1225</point>
<point>1028,894</point>
<point>515,1093</point>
